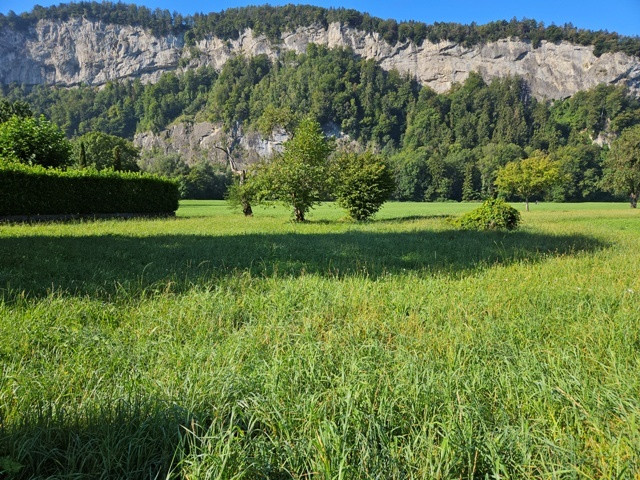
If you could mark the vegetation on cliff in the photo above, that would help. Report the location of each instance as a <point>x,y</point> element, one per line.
<point>441,146</point>
<point>273,21</point>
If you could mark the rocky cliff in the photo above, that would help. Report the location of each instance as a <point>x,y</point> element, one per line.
<point>194,141</point>
<point>79,51</point>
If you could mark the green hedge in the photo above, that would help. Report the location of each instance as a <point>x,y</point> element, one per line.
<point>34,190</point>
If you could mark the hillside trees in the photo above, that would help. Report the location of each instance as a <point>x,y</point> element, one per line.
<point>103,151</point>
<point>411,174</point>
<point>201,180</point>
<point>440,146</point>
<point>9,109</point>
<point>491,158</point>
<point>582,169</point>
<point>623,165</point>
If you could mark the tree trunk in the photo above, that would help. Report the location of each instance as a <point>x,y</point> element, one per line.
<point>246,206</point>
<point>526,201</point>
<point>299,214</point>
<point>633,200</point>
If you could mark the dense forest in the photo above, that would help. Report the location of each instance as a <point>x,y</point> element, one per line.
<point>273,21</point>
<point>442,146</point>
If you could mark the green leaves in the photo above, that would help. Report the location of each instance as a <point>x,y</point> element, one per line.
<point>361,183</point>
<point>100,151</point>
<point>298,177</point>
<point>529,177</point>
<point>35,190</point>
<point>301,177</point>
<point>493,214</point>
<point>622,173</point>
<point>34,141</point>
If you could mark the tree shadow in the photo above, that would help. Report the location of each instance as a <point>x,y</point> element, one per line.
<point>412,218</point>
<point>105,264</point>
<point>136,439</point>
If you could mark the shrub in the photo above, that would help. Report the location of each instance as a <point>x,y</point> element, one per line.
<point>493,214</point>
<point>362,183</point>
<point>35,190</point>
<point>34,141</point>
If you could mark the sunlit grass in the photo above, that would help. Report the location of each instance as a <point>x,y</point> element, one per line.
<point>217,346</point>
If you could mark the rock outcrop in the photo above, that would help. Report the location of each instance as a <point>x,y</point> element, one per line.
<point>79,51</point>
<point>194,141</point>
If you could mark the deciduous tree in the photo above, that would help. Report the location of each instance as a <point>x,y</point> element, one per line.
<point>622,174</point>
<point>35,141</point>
<point>528,177</point>
<point>298,177</point>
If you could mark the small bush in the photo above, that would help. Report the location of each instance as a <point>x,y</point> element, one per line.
<point>35,190</point>
<point>361,183</point>
<point>493,214</point>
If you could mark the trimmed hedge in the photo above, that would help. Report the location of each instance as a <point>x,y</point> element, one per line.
<point>34,190</point>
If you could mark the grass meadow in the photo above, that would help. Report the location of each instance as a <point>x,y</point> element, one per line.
<point>213,346</point>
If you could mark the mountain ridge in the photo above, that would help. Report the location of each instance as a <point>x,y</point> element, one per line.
<point>82,51</point>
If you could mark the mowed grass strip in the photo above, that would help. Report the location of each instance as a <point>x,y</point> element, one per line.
<point>214,346</point>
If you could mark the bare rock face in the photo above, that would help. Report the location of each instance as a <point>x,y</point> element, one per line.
<point>552,70</point>
<point>79,51</point>
<point>194,141</point>
<point>206,140</point>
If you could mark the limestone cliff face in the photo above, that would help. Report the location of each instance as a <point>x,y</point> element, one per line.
<point>80,51</point>
<point>194,141</point>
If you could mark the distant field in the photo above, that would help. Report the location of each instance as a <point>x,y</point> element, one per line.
<point>217,346</point>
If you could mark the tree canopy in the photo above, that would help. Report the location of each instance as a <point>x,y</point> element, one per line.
<point>361,183</point>
<point>34,141</point>
<point>99,150</point>
<point>532,176</point>
<point>298,177</point>
<point>623,165</point>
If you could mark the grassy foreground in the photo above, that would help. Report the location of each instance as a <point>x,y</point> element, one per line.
<point>214,346</point>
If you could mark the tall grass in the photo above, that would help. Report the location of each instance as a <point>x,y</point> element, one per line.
<point>213,346</point>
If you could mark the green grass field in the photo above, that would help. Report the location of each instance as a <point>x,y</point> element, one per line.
<point>217,346</point>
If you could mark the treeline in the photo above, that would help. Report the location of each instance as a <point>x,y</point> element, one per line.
<point>333,85</point>
<point>441,146</point>
<point>456,142</point>
<point>120,107</point>
<point>33,140</point>
<point>273,21</point>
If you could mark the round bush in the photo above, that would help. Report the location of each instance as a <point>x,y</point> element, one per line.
<point>493,214</point>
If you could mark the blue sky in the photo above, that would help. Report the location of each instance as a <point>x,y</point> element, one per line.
<point>622,16</point>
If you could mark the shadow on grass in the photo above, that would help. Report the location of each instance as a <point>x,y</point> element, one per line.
<point>121,440</point>
<point>105,264</point>
<point>412,218</point>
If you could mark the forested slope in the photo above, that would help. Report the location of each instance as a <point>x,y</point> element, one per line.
<point>443,144</point>
<point>436,141</point>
